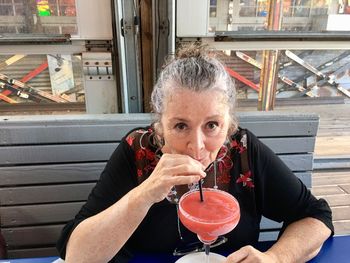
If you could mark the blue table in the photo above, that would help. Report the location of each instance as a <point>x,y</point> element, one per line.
<point>336,249</point>
<point>29,260</point>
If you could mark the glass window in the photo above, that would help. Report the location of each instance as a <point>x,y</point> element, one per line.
<point>40,79</point>
<point>298,15</point>
<point>295,80</point>
<point>38,16</point>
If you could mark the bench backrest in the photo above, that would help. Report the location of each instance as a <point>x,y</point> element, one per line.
<point>48,165</point>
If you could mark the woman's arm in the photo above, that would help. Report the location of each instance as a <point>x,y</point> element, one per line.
<point>99,237</point>
<point>300,242</point>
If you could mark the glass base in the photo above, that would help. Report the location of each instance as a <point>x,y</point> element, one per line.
<point>201,257</point>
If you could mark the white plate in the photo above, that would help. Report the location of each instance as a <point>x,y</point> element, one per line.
<point>201,257</point>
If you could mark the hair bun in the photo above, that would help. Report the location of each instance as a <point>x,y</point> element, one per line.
<point>192,50</point>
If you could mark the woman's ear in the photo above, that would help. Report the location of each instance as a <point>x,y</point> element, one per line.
<point>232,129</point>
<point>158,128</point>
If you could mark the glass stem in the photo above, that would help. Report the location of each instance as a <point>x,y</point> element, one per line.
<point>207,249</point>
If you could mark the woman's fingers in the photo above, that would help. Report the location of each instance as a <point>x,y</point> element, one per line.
<point>181,164</point>
<point>187,179</point>
<point>238,256</point>
<point>249,254</point>
<point>184,169</point>
<point>171,170</point>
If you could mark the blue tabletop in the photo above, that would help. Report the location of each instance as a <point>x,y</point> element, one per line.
<point>335,249</point>
<point>30,260</point>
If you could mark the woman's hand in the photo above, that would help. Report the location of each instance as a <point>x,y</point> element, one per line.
<point>250,254</point>
<point>172,169</point>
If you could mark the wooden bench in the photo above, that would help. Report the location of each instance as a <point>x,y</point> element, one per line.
<point>48,165</point>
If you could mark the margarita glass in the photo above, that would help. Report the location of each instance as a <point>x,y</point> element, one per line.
<point>216,215</point>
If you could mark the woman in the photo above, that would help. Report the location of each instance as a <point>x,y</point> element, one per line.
<point>195,136</point>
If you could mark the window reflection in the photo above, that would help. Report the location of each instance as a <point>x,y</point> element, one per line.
<point>298,15</point>
<point>38,16</point>
<point>334,64</point>
<point>52,78</point>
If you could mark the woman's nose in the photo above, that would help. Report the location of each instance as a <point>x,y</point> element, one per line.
<point>196,144</point>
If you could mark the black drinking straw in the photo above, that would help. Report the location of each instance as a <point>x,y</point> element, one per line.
<point>200,190</point>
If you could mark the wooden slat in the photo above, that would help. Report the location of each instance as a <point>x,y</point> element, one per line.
<point>266,223</point>
<point>68,153</point>
<point>53,213</point>
<point>65,129</point>
<point>38,214</point>
<point>90,172</point>
<point>48,174</point>
<point>32,252</point>
<point>290,144</point>
<point>268,236</point>
<point>281,128</point>
<point>298,162</point>
<point>32,236</point>
<point>80,153</point>
<point>45,194</point>
<point>305,177</point>
<point>97,128</point>
<point>68,173</point>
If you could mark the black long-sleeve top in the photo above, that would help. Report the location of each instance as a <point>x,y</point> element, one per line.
<point>267,188</point>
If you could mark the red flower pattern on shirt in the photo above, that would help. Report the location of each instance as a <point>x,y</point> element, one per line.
<point>139,173</point>
<point>140,154</point>
<point>238,146</point>
<point>130,140</point>
<point>246,179</point>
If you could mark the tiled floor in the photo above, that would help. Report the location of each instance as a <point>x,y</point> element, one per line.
<point>334,186</point>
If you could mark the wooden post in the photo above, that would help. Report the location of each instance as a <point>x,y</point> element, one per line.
<point>147,51</point>
<point>269,71</point>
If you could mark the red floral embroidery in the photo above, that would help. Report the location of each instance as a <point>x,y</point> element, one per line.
<point>130,140</point>
<point>246,179</point>
<point>225,164</point>
<point>140,154</point>
<point>139,172</point>
<point>238,146</point>
<point>149,154</point>
<point>224,178</point>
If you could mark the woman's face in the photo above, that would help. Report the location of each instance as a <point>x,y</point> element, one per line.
<point>195,124</point>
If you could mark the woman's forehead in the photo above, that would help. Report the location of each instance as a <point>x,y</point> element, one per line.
<point>186,103</point>
<point>181,94</point>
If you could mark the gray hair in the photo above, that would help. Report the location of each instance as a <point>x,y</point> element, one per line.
<point>195,69</point>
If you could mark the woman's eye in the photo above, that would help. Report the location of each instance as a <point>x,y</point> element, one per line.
<point>212,125</point>
<point>180,126</point>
